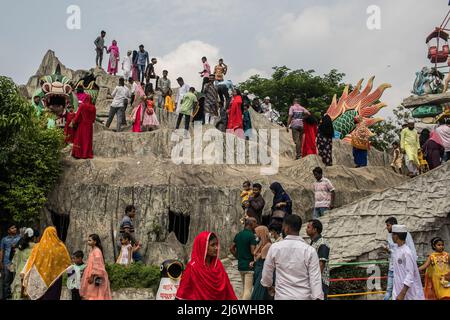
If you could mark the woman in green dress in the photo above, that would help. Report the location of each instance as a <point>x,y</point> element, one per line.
<point>261,250</point>
<point>25,246</point>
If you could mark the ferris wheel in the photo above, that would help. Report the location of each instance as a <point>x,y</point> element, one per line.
<point>438,48</point>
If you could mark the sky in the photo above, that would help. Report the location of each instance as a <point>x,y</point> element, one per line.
<point>252,36</point>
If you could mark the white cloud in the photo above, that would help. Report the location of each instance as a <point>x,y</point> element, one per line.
<point>185,61</point>
<point>248,73</point>
<point>336,36</point>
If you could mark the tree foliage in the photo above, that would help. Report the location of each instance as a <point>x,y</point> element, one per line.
<point>30,157</point>
<point>388,131</point>
<point>137,275</point>
<point>314,92</point>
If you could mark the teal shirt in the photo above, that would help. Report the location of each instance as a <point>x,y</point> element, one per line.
<point>243,241</point>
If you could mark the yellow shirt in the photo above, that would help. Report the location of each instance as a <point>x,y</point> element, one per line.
<point>169,105</point>
<point>245,195</point>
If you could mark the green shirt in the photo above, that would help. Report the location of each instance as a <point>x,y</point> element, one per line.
<point>243,241</point>
<point>188,103</point>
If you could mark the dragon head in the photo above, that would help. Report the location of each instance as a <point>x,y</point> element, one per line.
<point>56,92</point>
<point>362,104</point>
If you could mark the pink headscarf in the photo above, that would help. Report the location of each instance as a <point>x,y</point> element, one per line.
<point>434,136</point>
<point>114,48</point>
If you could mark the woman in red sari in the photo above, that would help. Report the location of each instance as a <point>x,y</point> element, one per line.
<point>84,130</point>
<point>205,277</point>
<point>310,129</point>
<point>235,122</point>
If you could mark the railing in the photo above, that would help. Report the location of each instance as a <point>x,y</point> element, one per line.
<point>364,263</point>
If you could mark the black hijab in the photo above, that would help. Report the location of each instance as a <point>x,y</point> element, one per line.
<point>280,196</point>
<point>326,127</point>
<point>424,136</point>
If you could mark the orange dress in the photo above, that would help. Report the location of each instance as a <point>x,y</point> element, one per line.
<point>95,266</point>
<point>436,287</point>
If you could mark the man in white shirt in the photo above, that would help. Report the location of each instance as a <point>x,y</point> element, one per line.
<point>296,265</point>
<point>391,248</point>
<point>184,88</point>
<point>126,66</point>
<point>407,282</point>
<point>120,94</point>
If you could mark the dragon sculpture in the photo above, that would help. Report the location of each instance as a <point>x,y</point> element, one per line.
<point>56,94</point>
<point>356,104</point>
<point>428,81</point>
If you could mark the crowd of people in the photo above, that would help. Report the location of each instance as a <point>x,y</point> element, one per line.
<point>33,267</point>
<point>421,152</point>
<point>274,261</point>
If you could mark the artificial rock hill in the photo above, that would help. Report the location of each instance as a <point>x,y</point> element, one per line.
<point>131,168</point>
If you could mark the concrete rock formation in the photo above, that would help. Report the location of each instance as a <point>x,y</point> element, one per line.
<point>357,230</point>
<point>137,169</point>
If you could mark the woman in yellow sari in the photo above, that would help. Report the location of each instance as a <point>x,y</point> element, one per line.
<point>42,274</point>
<point>437,266</point>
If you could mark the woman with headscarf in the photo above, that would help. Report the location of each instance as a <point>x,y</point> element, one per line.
<point>114,58</point>
<point>424,136</point>
<point>25,246</point>
<point>433,150</point>
<point>205,277</point>
<point>281,200</point>
<point>137,114</point>
<point>325,140</point>
<point>235,121</point>
<point>84,130</point>
<point>260,254</point>
<point>309,136</point>
<point>42,274</point>
<point>95,280</point>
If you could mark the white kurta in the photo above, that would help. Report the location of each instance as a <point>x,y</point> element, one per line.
<point>406,273</point>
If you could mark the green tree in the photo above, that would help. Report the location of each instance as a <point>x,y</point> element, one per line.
<point>30,156</point>
<point>313,91</point>
<point>388,131</point>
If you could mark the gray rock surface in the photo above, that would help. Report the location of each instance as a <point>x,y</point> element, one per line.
<point>357,231</point>
<point>415,101</point>
<point>137,169</point>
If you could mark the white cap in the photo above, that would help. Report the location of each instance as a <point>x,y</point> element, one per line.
<point>29,232</point>
<point>399,228</point>
<point>245,91</point>
<point>411,121</point>
<point>267,98</point>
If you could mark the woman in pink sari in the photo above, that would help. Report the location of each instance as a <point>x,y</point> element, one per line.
<point>114,58</point>
<point>137,113</point>
<point>95,281</point>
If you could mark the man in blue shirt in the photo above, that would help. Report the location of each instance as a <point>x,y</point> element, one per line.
<point>7,248</point>
<point>142,61</point>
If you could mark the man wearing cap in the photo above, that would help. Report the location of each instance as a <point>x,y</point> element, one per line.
<point>390,248</point>
<point>409,145</point>
<point>126,66</point>
<point>407,283</point>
